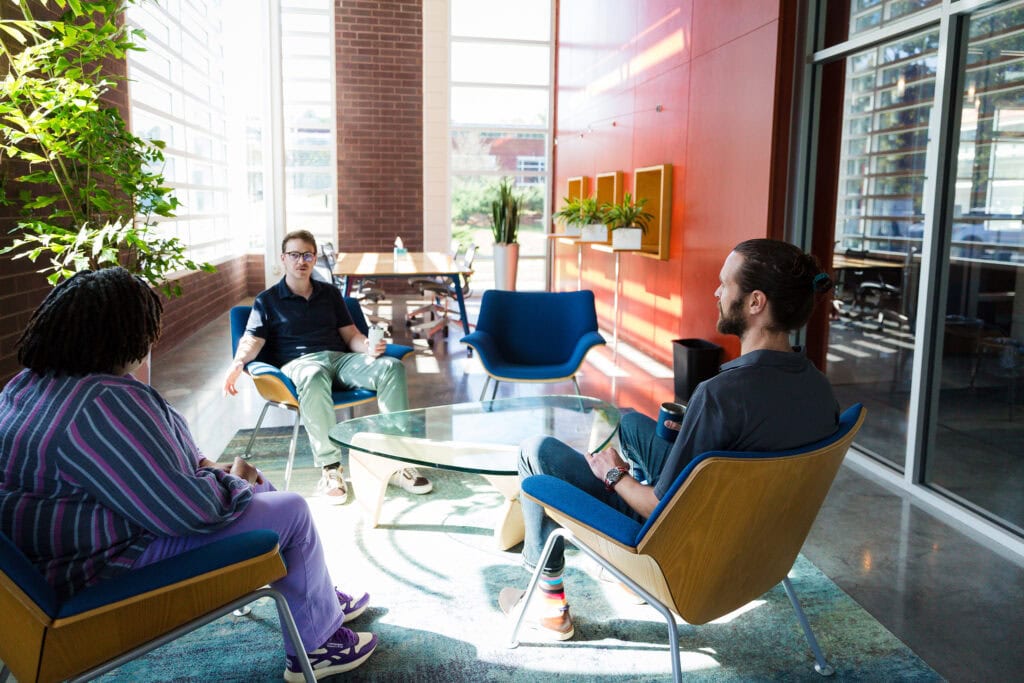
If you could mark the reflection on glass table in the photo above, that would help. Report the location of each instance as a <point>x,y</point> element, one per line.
<point>480,438</point>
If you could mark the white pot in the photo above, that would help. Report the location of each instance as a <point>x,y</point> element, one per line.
<point>506,263</point>
<point>572,231</point>
<point>594,232</point>
<point>627,238</point>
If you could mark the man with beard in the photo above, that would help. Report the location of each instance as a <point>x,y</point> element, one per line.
<point>771,398</point>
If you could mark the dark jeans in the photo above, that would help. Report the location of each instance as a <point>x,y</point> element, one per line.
<point>547,455</point>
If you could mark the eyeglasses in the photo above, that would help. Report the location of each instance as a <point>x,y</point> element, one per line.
<point>306,256</point>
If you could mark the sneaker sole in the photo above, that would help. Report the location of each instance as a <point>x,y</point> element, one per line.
<point>327,671</point>
<point>349,616</point>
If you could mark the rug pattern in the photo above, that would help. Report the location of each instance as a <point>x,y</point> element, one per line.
<point>433,572</point>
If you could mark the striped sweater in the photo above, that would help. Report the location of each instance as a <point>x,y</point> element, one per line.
<point>93,468</point>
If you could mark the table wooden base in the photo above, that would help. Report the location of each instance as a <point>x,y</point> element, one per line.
<point>371,473</point>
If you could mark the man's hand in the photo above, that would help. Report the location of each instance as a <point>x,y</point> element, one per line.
<point>603,461</point>
<point>377,350</point>
<point>231,377</point>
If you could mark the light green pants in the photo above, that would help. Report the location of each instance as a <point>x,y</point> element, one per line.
<point>315,374</point>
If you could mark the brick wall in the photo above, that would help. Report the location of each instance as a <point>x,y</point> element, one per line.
<point>379,47</point>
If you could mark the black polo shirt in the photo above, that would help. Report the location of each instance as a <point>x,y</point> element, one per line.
<point>293,326</point>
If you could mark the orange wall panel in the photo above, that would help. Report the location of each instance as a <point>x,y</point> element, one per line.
<point>692,84</point>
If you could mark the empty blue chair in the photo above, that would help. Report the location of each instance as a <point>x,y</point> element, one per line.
<point>534,336</point>
<point>278,390</point>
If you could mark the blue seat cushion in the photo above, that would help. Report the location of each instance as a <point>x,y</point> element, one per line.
<point>583,507</point>
<point>216,555</point>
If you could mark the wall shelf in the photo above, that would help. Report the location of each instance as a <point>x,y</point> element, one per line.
<point>654,183</point>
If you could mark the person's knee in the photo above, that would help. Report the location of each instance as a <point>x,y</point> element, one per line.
<point>285,512</point>
<point>533,453</point>
<point>632,427</point>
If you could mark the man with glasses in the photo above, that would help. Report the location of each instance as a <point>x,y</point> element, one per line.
<point>303,326</point>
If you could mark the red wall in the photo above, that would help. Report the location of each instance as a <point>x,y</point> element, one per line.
<point>713,67</point>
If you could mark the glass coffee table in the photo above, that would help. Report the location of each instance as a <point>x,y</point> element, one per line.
<point>481,438</point>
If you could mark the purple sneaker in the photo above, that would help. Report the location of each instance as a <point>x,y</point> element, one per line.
<point>343,651</point>
<point>352,607</point>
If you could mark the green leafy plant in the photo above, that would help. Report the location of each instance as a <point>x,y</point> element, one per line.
<point>580,211</point>
<point>505,211</point>
<point>89,191</point>
<point>628,214</point>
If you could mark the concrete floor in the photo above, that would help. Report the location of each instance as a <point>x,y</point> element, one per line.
<point>952,599</point>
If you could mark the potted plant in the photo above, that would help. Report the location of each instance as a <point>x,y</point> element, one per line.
<point>505,212</point>
<point>592,219</point>
<point>628,221</point>
<point>89,192</point>
<point>569,216</point>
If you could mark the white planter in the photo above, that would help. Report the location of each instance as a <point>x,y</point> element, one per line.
<point>594,232</point>
<point>627,238</point>
<point>572,231</point>
<point>506,263</point>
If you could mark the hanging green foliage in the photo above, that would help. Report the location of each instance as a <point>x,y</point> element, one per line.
<point>89,191</point>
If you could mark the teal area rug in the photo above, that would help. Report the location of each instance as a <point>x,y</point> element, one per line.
<point>434,573</point>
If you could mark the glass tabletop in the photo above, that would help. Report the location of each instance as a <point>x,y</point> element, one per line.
<point>480,437</point>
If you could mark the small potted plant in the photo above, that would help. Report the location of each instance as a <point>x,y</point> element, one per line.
<point>569,216</point>
<point>592,221</point>
<point>505,211</point>
<point>628,221</point>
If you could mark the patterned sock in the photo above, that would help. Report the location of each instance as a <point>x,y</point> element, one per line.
<point>554,594</point>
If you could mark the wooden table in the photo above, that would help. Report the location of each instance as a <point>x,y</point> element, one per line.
<point>409,265</point>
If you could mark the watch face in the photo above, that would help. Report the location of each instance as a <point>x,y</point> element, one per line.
<point>613,475</point>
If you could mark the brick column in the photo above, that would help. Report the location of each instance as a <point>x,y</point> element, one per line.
<point>379,52</point>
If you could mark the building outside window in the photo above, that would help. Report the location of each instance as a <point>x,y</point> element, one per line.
<point>928,325</point>
<point>500,124</point>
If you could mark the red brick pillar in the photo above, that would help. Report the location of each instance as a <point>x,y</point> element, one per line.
<point>379,62</point>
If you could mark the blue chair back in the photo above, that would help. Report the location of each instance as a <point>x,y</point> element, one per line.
<point>537,328</point>
<point>356,311</point>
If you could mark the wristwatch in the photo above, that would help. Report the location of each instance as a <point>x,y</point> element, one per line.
<point>613,476</point>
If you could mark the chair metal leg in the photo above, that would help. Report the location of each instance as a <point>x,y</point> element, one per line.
<point>483,393</point>
<point>821,665</point>
<point>494,392</point>
<point>513,640</point>
<point>291,450</point>
<point>252,439</point>
<point>284,613</point>
<point>577,384</point>
<point>670,619</point>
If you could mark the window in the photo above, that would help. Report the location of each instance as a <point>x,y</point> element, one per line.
<point>938,362</point>
<point>500,90</point>
<point>177,95</point>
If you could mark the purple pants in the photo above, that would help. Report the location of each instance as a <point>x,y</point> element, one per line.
<point>307,587</point>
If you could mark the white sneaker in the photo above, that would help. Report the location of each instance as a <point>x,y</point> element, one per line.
<point>409,479</point>
<point>332,488</point>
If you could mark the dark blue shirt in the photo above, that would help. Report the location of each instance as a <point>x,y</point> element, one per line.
<point>293,326</point>
<point>762,401</point>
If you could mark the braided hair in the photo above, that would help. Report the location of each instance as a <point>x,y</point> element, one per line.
<point>94,322</point>
<point>789,278</point>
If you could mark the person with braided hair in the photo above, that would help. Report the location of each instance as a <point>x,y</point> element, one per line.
<point>771,398</point>
<point>99,475</point>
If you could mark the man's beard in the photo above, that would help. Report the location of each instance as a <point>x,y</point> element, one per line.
<point>732,322</point>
